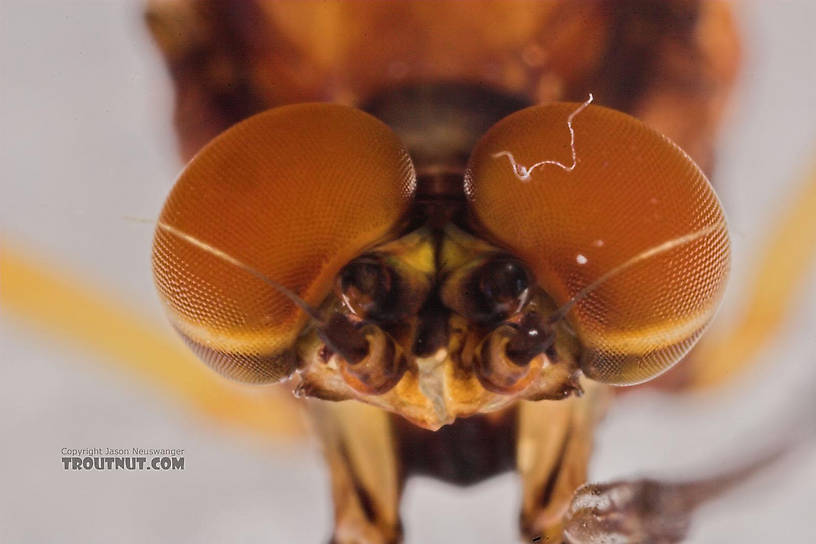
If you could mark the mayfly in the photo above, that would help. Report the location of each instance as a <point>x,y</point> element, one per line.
<point>429,219</point>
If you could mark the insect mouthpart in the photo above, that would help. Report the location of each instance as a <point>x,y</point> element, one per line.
<point>438,325</point>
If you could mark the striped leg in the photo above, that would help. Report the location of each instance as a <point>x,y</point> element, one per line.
<point>359,447</point>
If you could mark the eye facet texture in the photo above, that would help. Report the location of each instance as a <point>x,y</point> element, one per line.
<point>634,234</point>
<point>294,193</point>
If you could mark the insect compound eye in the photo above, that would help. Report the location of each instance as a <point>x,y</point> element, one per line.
<point>621,229</point>
<point>489,290</point>
<point>283,199</point>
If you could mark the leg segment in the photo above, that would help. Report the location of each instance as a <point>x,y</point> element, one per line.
<point>648,511</point>
<point>554,444</point>
<point>359,447</point>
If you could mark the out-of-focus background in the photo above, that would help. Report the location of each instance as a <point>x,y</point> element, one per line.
<point>88,155</point>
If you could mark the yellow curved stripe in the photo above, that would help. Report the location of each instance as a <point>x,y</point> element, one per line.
<point>779,273</point>
<point>647,339</point>
<point>59,305</point>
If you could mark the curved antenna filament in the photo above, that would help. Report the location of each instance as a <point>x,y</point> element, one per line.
<point>668,245</point>
<point>524,172</point>
<point>282,289</point>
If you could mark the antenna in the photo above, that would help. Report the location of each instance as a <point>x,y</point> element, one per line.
<point>653,251</point>
<point>282,289</point>
<point>524,172</point>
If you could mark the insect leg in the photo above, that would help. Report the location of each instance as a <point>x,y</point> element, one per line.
<point>358,445</point>
<point>554,444</point>
<point>646,510</point>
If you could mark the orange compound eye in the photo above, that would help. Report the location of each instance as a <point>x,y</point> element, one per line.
<point>290,195</point>
<point>629,238</point>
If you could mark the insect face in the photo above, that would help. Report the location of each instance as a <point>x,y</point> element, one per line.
<point>295,246</point>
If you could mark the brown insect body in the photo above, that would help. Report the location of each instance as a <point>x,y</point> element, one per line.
<point>398,320</point>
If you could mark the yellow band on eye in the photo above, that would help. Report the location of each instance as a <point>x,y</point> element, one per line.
<point>267,214</point>
<point>629,239</point>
